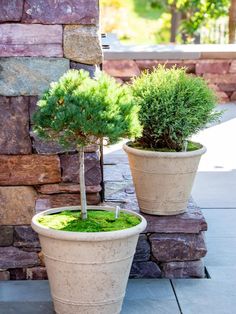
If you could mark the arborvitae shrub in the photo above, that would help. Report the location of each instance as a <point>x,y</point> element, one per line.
<point>173,107</point>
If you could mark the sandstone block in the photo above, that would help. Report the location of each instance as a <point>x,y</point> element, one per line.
<point>12,257</point>
<point>177,247</point>
<point>220,79</point>
<point>29,169</point>
<point>214,87</point>
<point>227,87</point>
<point>4,275</point>
<point>212,66</point>
<point>188,269</point>
<point>145,270</point>
<point>150,64</point>
<point>30,40</point>
<point>233,96</point>
<point>147,64</point>
<point>70,168</point>
<point>190,66</point>
<point>61,200</point>
<point>17,205</point>
<point>14,126</point>
<point>11,11</point>
<point>36,273</point>
<point>222,97</point>
<point>119,80</point>
<point>82,44</point>
<point>66,188</point>
<point>143,249</point>
<point>232,68</point>
<point>61,11</point>
<point>80,66</point>
<point>192,221</point>
<point>26,237</point>
<point>29,76</point>
<point>6,235</point>
<point>41,257</point>
<point>122,69</point>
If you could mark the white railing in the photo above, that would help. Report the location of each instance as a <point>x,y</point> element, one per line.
<point>216,32</point>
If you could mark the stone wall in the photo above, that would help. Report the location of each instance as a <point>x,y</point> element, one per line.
<point>215,63</point>
<point>39,41</point>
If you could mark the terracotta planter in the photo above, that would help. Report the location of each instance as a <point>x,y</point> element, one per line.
<point>163,180</point>
<point>88,271</point>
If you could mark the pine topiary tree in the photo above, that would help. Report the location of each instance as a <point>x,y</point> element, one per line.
<point>82,111</point>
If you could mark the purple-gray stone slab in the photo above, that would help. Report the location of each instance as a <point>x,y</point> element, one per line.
<point>80,66</point>
<point>26,237</point>
<point>70,168</point>
<point>6,235</point>
<point>143,249</point>
<point>61,11</point>
<point>12,257</point>
<point>192,221</point>
<point>11,10</point>
<point>14,126</point>
<point>145,270</point>
<point>187,269</point>
<point>30,40</point>
<point>177,247</point>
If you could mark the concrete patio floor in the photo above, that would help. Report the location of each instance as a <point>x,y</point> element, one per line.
<point>215,192</point>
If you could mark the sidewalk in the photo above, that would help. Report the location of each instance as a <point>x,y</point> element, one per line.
<point>215,192</point>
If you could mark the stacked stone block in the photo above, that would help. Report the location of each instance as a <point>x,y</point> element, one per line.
<point>172,246</point>
<point>219,73</point>
<point>39,41</point>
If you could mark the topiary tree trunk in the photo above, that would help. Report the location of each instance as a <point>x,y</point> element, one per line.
<point>82,184</point>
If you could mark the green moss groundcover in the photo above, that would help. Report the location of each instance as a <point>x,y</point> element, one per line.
<point>98,221</point>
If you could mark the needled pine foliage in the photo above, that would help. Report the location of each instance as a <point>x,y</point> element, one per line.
<point>173,107</point>
<point>80,110</point>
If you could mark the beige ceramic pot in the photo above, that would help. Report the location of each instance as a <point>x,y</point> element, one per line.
<point>88,271</point>
<point>163,180</point>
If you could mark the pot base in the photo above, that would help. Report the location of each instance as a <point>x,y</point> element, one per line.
<point>162,213</point>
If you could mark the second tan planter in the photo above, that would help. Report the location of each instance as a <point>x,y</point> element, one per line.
<point>163,180</point>
<point>88,271</point>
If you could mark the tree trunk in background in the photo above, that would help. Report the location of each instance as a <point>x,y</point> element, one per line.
<point>232,22</point>
<point>82,184</point>
<point>175,20</point>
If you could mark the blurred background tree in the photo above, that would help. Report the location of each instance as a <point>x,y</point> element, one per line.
<point>232,22</point>
<point>176,21</point>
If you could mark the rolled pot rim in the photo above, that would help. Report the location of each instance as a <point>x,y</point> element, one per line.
<point>86,236</point>
<point>153,154</point>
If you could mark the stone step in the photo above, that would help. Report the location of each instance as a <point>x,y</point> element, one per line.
<point>142,297</point>
<point>25,297</point>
